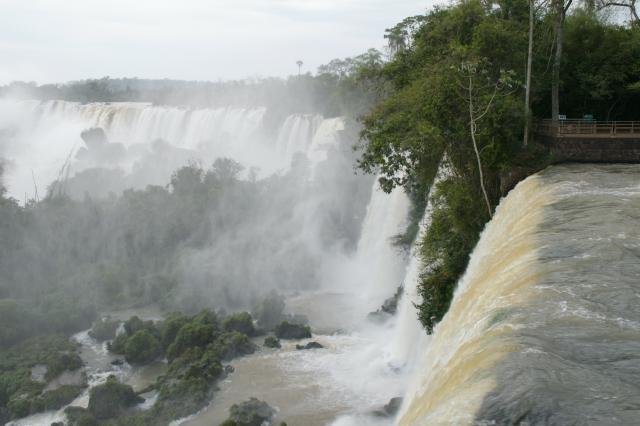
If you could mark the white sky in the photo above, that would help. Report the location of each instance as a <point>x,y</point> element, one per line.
<point>60,40</point>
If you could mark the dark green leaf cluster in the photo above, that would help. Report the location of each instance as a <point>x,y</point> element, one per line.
<point>139,343</point>
<point>22,393</point>
<point>240,322</point>
<point>287,330</point>
<point>20,320</point>
<point>111,399</point>
<point>195,347</point>
<point>252,412</point>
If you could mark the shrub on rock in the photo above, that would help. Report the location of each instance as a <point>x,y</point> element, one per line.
<point>231,345</point>
<point>240,322</point>
<point>135,324</point>
<point>287,330</point>
<point>272,342</point>
<point>270,311</point>
<point>78,416</point>
<point>193,334</point>
<point>170,328</point>
<point>252,412</point>
<point>58,398</point>
<point>111,399</point>
<point>142,348</point>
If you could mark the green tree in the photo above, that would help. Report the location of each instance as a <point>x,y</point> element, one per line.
<point>142,348</point>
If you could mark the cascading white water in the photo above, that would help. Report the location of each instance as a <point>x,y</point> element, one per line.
<point>381,265</point>
<point>358,369</point>
<point>409,335</point>
<point>543,326</point>
<point>389,357</point>
<point>296,133</point>
<point>137,122</point>
<point>38,138</point>
<point>324,139</point>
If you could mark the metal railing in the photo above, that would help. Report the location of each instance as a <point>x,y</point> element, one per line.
<point>604,129</point>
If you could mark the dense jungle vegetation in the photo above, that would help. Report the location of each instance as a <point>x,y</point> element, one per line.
<point>63,259</point>
<point>455,89</point>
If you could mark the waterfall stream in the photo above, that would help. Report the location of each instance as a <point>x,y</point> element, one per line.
<point>353,373</point>
<point>544,326</point>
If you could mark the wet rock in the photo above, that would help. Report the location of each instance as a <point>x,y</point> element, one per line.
<point>272,342</point>
<point>94,137</point>
<point>389,307</point>
<point>287,330</point>
<point>250,413</point>
<point>310,345</point>
<point>229,369</point>
<point>390,409</point>
<point>378,317</point>
<point>99,151</point>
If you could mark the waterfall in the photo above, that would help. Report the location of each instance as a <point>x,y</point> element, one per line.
<point>387,358</point>
<point>409,335</point>
<point>296,133</point>
<point>138,122</point>
<point>544,325</point>
<point>381,264</point>
<point>39,137</point>
<point>324,139</point>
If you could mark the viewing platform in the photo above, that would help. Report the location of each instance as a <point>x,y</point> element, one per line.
<point>590,141</point>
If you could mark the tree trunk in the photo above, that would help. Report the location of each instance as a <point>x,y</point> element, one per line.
<point>527,94</point>
<point>555,79</point>
<point>472,127</point>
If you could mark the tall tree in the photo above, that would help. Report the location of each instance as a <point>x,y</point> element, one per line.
<point>527,95</point>
<point>479,90</point>
<point>560,8</point>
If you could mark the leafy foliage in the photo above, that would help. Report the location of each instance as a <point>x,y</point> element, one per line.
<point>470,56</point>
<point>287,330</point>
<point>142,348</point>
<point>111,399</point>
<point>20,393</point>
<point>240,322</point>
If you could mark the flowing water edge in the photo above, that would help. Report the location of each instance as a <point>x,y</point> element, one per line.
<point>543,327</point>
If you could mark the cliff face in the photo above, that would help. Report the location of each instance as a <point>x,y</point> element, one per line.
<point>544,326</point>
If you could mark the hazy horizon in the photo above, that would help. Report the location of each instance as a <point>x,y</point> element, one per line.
<point>55,41</point>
